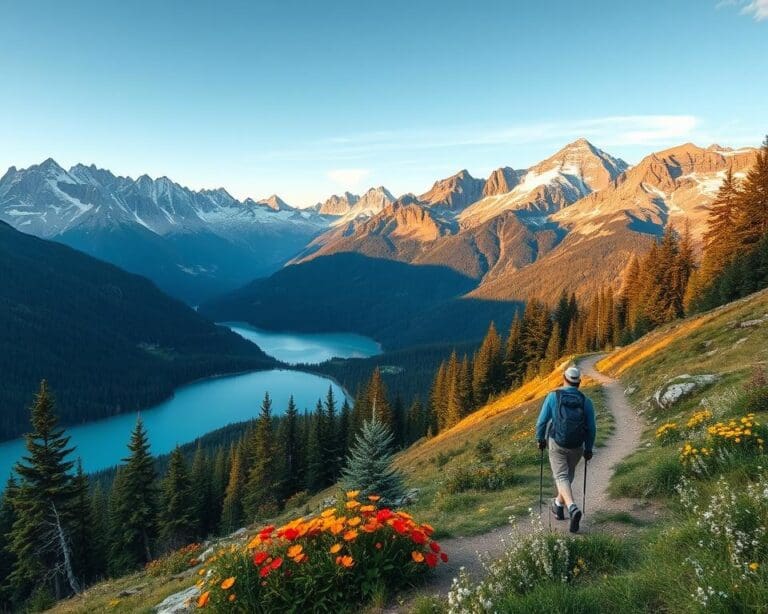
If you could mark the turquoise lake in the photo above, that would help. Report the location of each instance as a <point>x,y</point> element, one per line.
<point>207,405</point>
<point>311,349</point>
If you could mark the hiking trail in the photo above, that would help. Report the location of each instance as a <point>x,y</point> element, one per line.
<point>628,428</point>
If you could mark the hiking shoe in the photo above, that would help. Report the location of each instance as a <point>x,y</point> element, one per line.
<point>575,514</point>
<point>558,510</point>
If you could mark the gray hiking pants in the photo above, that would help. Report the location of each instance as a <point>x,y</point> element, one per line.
<point>563,462</point>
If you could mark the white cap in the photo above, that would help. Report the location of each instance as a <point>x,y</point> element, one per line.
<point>573,375</point>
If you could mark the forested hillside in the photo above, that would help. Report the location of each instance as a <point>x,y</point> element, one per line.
<point>106,340</point>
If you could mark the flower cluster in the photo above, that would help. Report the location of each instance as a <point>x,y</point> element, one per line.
<point>732,534</point>
<point>721,442</point>
<point>530,559</point>
<point>341,556</point>
<point>698,418</point>
<point>667,432</point>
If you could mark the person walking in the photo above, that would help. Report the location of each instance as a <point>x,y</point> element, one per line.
<point>566,426</point>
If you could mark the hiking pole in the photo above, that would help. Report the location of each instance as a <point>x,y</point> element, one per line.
<point>541,481</point>
<point>584,490</point>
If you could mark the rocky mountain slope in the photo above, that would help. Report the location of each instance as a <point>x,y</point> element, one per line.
<point>192,244</point>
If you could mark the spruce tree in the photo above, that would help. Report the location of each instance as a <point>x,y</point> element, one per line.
<point>8,597</point>
<point>43,504</point>
<point>752,222</point>
<point>201,500</point>
<point>135,504</point>
<point>369,466</point>
<point>345,415</point>
<point>293,480</point>
<point>453,400</point>
<point>232,505</point>
<point>315,474</point>
<point>99,530</point>
<point>260,497</point>
<point>177,524</point>
<point>514,359</point>
<point>83,535</point>
<point>332,454</point>
<point>220,476</point>
<point>437,397</point>
<point>553,351</point>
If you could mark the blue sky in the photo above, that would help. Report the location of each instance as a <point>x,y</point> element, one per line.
<point>310,98</point>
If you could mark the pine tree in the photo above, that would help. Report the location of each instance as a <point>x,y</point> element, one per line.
<point>369,466</point>
<point>332,455</point>
<point>232,506</point>
<point>398,422</point>
<point>293,480</point>
<point>316,474</point>
<point>82,531</point>
<point>437,397</point>
<point>43,505</point>
<point>752,220</point>
<point>488,366</point>
<point>514,358</point>
<point>135,505</point>
<point>8,597</point>
<point>466,395</point>
<point>537,326</point>
<point>345,415</point>
<point>219,479</point>
<point>552,352</point>
<point>260,497</point>
<point>201,502</point>
<point>99,530</point>
<point>378,399</point>
<point>177,525</point>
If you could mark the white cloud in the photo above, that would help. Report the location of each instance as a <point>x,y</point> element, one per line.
<point>348,178</point>
<point>757,8</point>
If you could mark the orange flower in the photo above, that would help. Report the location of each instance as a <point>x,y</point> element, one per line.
<point>352,494</point>
<point>295,551</point>
<point>329,512</point>
<point>335,548</point>
<point>367,509</point>
<point>352,504</point>
<point>417,556</point>
<point>203,599</point>
<point>228,583</point>
<point>345,561</point>
<point>337,528</point>
<point>353,522</point>
<point>373,498</point>
<point>350,535</point>
<point>371,526</point>
<point>232,597</point>
<point>254,543</point>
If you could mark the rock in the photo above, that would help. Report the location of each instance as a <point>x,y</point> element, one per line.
<point>130,592</point>
<point>183,601</point>
<point>205,554</point>
<point>630,390</point>
<point>751,323</point>
<point>711,352</point>
<point>681,386</point>
<point>740,341</point>
<point>240,533</point>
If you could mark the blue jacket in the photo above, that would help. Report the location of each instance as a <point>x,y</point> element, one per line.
<point>548,409</point>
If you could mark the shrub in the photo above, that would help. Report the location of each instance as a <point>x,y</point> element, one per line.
<point>333,562</point>
<point>175,562</point>
<point>484,450</point>
<point>486,478</point>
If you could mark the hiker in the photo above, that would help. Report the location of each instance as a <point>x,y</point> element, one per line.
<point>566,425</point>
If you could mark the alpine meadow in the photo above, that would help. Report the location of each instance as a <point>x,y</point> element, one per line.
<point>400,307</point>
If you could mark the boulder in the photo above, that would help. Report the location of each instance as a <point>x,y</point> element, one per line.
<point>680,387</point>
<point>178,603</point>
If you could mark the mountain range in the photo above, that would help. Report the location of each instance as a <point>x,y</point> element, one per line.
<point>568,223</point>
<point>192,244</point>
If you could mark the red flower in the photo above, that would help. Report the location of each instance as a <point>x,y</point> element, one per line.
<point>444,557</point>
<point>276,563</point>
<point>431,559</point>
<point>435,547</point>
<point>418,538</point>
<point>400,526</point>
<point>259,558</point>
<point>267,531</point>
<point>291,534</point>
<point>383,514</point>
<point>264,571</point>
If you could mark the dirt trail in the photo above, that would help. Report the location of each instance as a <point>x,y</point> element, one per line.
<point>628,429</point>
